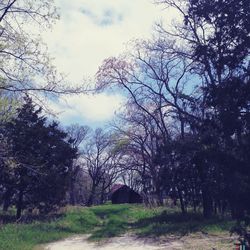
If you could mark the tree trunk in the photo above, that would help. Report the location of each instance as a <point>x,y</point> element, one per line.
<point>194,200</point>
<point>215,208</point>
<point>102,193</point>
<point>73,175</point>
<point>6,204</point>
<point>223,207</point>
<point>194,205</point>
<point>71,193</point>
<point>19,205</point>
<point>159,197</point>
<point>6,200</point>
<point>207,203</point>
<point>91,196</point>
<point>183,210</point>
<point>237,211</point>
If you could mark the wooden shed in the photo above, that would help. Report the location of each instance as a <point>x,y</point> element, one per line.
<point>124,194</point>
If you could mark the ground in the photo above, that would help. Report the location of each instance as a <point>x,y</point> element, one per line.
<point>130,242</point>
<point>108,227</point>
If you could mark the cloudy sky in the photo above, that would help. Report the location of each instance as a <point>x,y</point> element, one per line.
<point>88,32</point>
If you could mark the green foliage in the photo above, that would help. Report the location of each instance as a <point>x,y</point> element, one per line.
<point>224,56</point>
<point>7,107</point>
<point>23,56</point>
<point>228,45</point>
<point>37,176</point>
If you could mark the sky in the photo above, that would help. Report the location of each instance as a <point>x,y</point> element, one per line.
<point>88,32</point>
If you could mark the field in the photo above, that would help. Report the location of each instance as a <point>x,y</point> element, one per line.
<point>106,221</point>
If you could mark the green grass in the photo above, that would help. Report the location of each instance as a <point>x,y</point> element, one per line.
<point>175,223</point>
<point>107,221</point>
<point>26,236</point>
<point>147,222</point>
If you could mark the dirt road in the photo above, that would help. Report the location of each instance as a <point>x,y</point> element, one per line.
<point>125,242</point>
<point>130,242</point>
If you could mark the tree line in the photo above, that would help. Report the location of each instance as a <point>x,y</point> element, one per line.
<point>186,123</point>
<point>44,166</point>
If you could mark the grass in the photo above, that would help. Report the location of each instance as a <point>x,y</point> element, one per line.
<point>107,221</point>
<point>178,224</point>
<point>26,236</point>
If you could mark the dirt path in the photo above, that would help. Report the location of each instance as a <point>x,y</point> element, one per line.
<point>125,242</point>
<point>130,242</point>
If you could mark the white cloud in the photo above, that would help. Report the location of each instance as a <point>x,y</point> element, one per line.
<point>91,30</point>
<point>88,32</point>
<point>87,109</point>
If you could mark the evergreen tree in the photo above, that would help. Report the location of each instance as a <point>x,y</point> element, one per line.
<point>41,159</point>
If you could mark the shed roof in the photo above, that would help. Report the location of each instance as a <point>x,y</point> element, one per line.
<point>116,187</point>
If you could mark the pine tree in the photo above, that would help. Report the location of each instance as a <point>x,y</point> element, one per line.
<point>42,156</point>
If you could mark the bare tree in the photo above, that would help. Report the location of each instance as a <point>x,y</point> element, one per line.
<point>141,149</point>
<point>77,134</point>
<point>162,103</point>
<point>156,80</point>
<point>25,64</point>
<point>100,160</point>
